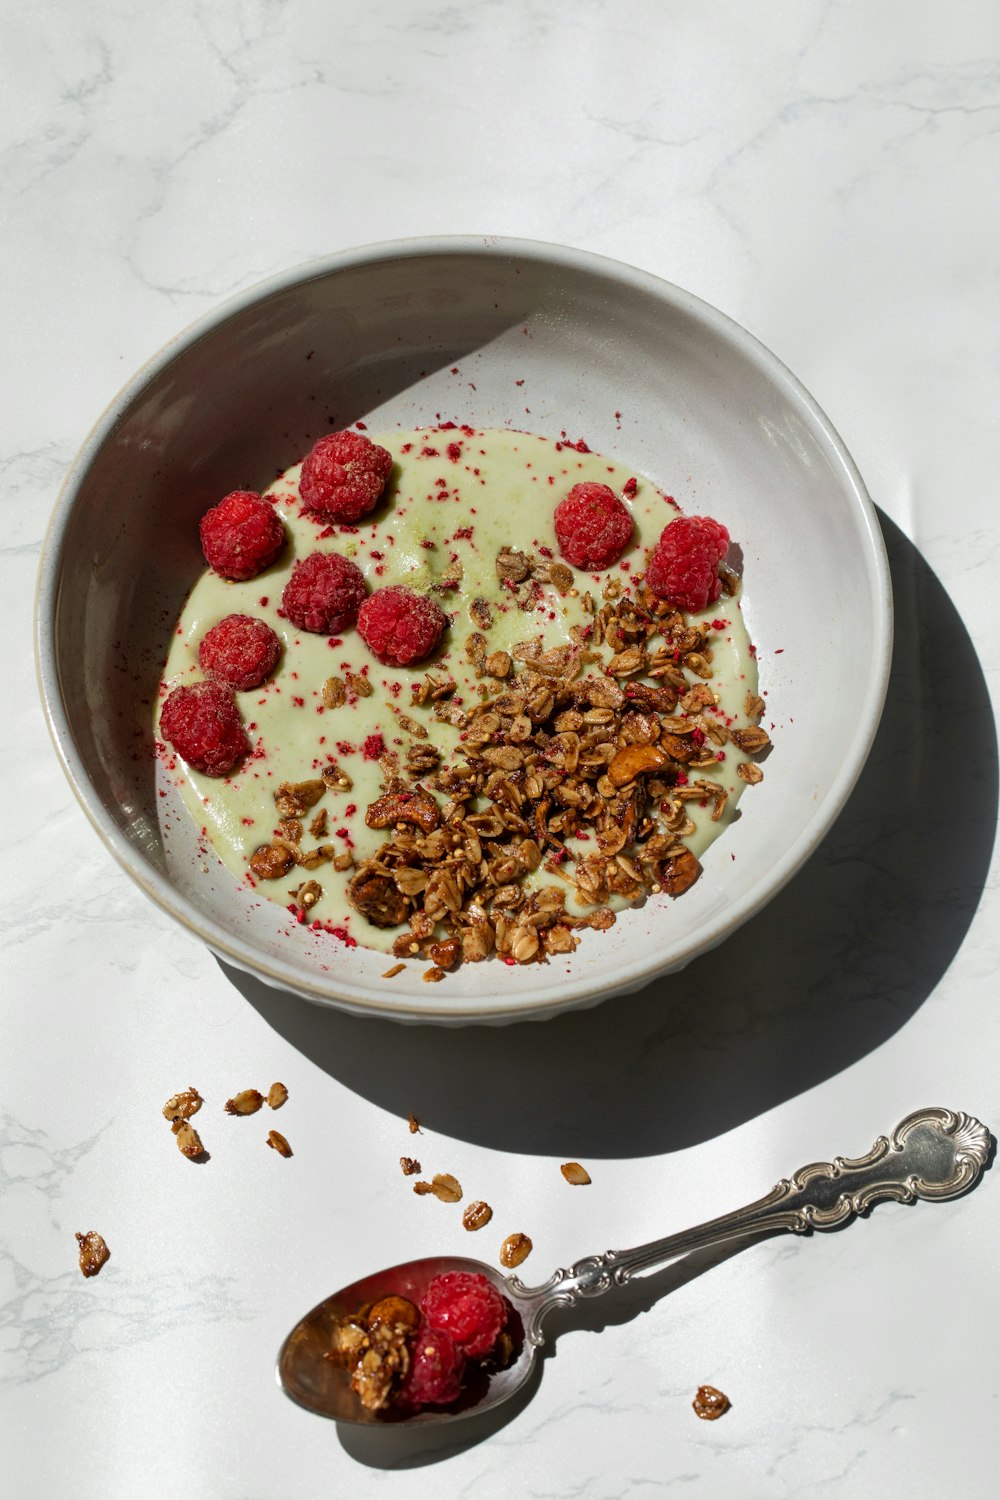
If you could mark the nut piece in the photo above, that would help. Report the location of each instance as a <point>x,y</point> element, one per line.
<point>276,1095</point>
<point>446,954</point>
<point>278,1143</point>
<point>247,1102</point>
<point>710,1404</point>
<point>376,898</point>
<point>574,1173</point>
<point>271,861</point>
<point>446,1187</point>
<point>188,1139</point>
<point>515,1249</point>
<point>293,798</point>
<point>477,1215</point>
<point>410,1165</point>
<point>183,1106</point>
<point>636,760</point>
<point>93,1252</point>
<point>404,807</point>
<point>679,873</point>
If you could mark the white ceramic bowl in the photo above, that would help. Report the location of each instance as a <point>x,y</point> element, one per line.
<point>649,375</point>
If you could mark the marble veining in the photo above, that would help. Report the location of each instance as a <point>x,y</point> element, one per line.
<point>826,174</point>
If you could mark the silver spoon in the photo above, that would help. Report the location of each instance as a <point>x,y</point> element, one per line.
<point>932,1154</point>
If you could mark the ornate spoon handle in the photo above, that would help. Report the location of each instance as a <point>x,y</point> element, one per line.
<point>933,1154</point>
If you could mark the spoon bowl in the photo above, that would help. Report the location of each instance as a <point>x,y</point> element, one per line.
<point>319,1383</point>
<point>932,1154</point>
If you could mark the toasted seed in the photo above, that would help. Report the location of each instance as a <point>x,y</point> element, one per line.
<point>410,1165</point>
<point>396,969</point>
<point>276,1095</point>
<point>515,1249</point>
<point>93,1252</point>
<point>188,1139</point>
<point>278,1143</point>
<point>182,1106</point>
<point>433,975</point>
<point>446,1187</point>
<point>477,1215</point>
<point>413,1123</point>
<point>247,1102</point>
<point>574,1173</point>
<point>710,1404</point>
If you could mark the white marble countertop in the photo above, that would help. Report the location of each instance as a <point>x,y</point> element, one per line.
<point>825,173</point>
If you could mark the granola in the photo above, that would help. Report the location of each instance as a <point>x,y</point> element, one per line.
<point>552,758</point>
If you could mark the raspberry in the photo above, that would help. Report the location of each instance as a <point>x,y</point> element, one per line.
<point>399,626</point>
<point>202,722</point>
<point>324,593</point>
<point>593,527</point>
<point>240,650</point>
<point>684,566</point>
<point>436,1366</point>
<point>344,475</point>
<point>242,535</point>
<point>469,1307</point>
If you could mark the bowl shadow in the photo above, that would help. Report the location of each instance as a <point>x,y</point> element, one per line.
<point>828,971</point>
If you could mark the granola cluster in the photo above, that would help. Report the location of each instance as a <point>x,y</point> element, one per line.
<point>553,751</point>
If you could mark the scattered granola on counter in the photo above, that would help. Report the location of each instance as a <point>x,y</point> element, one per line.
<point>277,1095</point>
<point>182,1106</point>
<point>575,1174</point>
<point>477,1215</point>
<point>188,1140</point>
<point>515,1249</point>
<point>710,1404</point>
<point>247,1102</point>
<point>278,1143</point>
<point>94,1253</point>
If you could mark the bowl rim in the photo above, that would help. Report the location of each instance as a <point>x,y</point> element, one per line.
<point>542,1000</point>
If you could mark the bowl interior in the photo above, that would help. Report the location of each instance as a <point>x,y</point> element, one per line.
<point>494,334</point>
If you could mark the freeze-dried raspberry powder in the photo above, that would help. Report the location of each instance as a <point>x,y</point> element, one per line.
<point>593,527</point>
<point>241,650</point>
<point>400,626</point>
<point>242,535</point>
<point>324,593</point>
<point>684,566</point>
<point>469,1307</point>
<point>344,475</point>
<point>436,1366</point>
<point>201,721</point>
